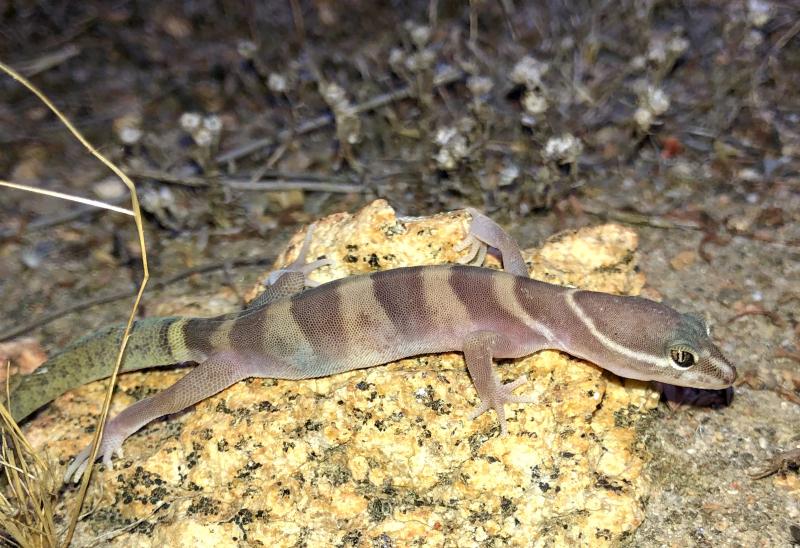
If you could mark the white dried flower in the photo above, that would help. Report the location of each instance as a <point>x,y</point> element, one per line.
<point>528,120</point>
<point>203,137</point>
<point>443,135</point>
<point>420,35</point>
<point>534,103</point>
<point>638,62</point>
<point>643,118</point>
<point>677,45</point>
<point>277,82</point>
<point>130,135</point>
<point>335,96</point>
<point>420,61</point>
<point>445,160</point>
<point>453,148</point>
<point>160,199</point>
<point>565,149</point>
<point>190,121</point>
<point>759,12</point>
<point>753,39</point>
<point>479,85</point>
<point>246,48</point>
<point>212,123</point>
<point>657,101</point>
<point>109,189</point>
<point>529,72</point>
<point>657,50</point>
<point>508,175</point>
<point>749,175</point>
<point>396,57</point>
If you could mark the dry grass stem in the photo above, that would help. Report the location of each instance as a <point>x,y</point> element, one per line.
<point>68,197</point>
<point>38,480</point>
<point>30,490</point>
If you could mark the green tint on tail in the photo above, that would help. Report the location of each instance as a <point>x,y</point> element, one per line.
<point>153,341</point>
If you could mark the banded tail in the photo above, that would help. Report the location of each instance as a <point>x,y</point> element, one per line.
<point>153,342</point>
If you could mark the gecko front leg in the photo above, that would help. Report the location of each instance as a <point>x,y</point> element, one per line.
<point>479,349</point>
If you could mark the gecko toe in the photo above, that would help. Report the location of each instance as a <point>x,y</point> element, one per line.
<point>498,401</point>
<point>522,399</point>
<point>75,470</point>
<point>516,383</point>
<point>479,410</point>
<point>108,449</point>
<point>501,416</point>
<point>483,407</point>
<point>477,251</point>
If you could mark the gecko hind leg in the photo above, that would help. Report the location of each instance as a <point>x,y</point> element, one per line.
<point>483,233</point>
<point>216,373</point>
<point>287,281</point>
<point>299,264</point>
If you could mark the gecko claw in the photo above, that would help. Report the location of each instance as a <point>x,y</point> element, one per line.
<point>498,401</point>
<point>108,449</point>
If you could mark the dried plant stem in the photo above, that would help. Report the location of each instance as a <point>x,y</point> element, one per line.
<point>28,514</point>
<point>137,215</point>
<point>318,184</point>
<point>68,197</point>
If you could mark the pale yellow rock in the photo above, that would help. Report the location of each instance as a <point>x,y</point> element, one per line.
<point>387,455</point>
<point>190,534</point>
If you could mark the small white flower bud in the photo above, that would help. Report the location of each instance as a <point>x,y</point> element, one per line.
<point>190,121</point>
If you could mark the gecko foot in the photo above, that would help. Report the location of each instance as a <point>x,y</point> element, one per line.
<point>484,233</point>
<point>477,250</point>
<point>299,264</point>
<point>108,448</point>
<point>477,247</point>
<point>502,396</point>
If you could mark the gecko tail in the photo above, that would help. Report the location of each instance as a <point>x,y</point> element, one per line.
<point>152,342</point>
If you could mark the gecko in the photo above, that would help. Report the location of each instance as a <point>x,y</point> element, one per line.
<point>297,329</point>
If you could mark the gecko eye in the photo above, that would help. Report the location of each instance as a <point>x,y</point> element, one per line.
<point>682,357</point>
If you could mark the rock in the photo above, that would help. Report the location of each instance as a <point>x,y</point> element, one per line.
<point>385,455</point>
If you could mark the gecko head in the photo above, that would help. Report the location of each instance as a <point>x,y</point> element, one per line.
<point>643,339</point>
<point>693,358</point>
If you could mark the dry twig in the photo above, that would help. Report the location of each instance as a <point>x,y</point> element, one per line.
<point>781,462</point>
<point>302,182</point>
<point>46,222</point>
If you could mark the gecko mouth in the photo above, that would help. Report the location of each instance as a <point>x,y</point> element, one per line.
<point>722,375</point>
<point>726,370</point>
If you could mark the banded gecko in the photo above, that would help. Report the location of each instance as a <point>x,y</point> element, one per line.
<point>291,332</point>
